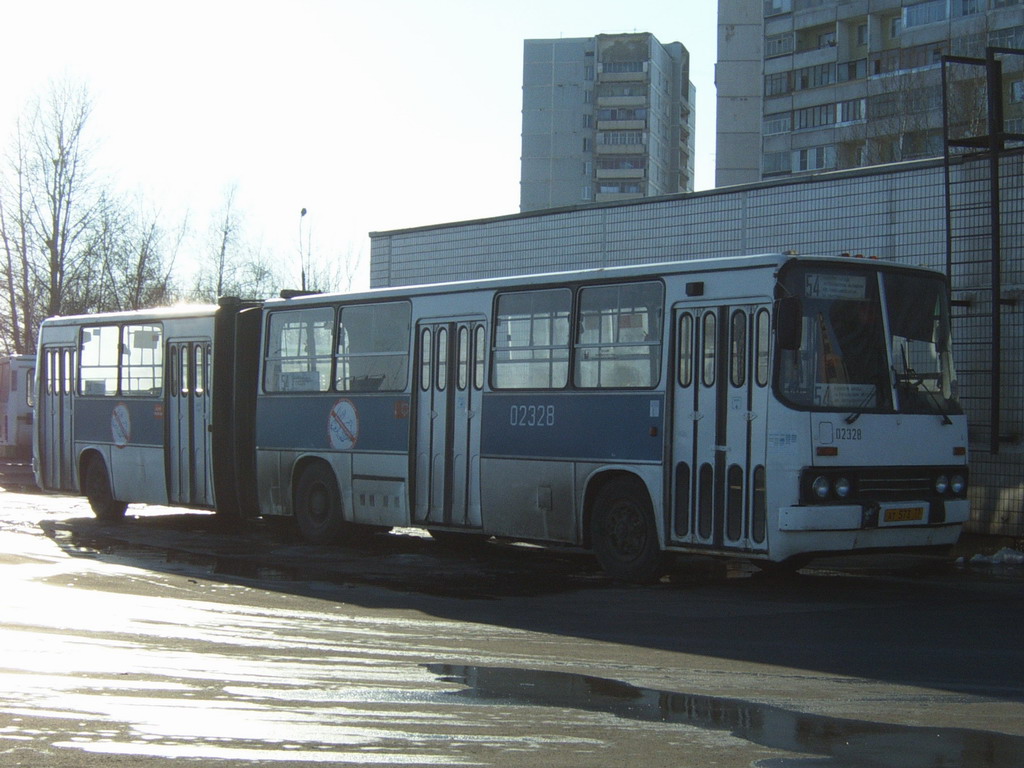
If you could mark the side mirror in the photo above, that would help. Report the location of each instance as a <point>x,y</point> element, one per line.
<point>789,325</point>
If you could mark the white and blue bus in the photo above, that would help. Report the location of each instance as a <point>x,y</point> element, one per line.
<point>769,407</point>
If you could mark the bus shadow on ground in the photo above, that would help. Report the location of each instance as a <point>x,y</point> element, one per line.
<point>931,628</point>
<point>272,553</point>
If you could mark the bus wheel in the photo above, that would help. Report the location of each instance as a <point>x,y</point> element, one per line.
<point>97,489</point>
<point>318,505</point>
<point>623,535</point>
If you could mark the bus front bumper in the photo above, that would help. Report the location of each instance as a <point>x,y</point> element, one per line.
<point>858,517</point>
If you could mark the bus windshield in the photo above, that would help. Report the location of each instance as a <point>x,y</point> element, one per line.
<point>868,340</point>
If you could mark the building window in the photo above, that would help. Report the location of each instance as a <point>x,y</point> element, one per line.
<point>629,188</point>
<point>815,117</point>
<point>777,84</point>
<point>966,7</point>
<point>775,7</point>
<point>814,159</point>
<point>814,77</point>
<point>621,67</point>
<point>781,122</point>
<point>775,163</point>
<point>622,163</point>
<point>928,12</point>
<point>622,114</point>
<point>851,70</point>
<point>779,45</point>
<point>862,34</point>
<point>852,110</point>
<point>620,137</point>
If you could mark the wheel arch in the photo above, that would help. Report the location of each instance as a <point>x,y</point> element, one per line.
<point>595,483</point>
<point>87,457</point>
<point>301,465</point>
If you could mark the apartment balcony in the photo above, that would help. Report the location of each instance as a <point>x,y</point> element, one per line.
<point>622,77</point>
<point>622,101</point>
<point>621,125</point>
<point>620,149</point>
<point>826,55</point>
<point>621,173</point>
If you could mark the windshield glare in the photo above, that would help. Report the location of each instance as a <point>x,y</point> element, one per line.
<point>870,341</point>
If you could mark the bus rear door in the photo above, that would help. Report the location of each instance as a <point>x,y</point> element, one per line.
<point>56,433</point>
<point>717,492</point>
<point>446,472</point>
<point>187,403</point>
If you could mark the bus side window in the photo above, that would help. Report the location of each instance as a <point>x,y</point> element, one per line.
<point>463,358</point>
<point>442,358</point>
<point>710,344</point>
<point>426,360</point>
<point>762,336</point>
<point>685,349</point>
<point>478,357</point>
<point>738,349</point>
<point>172,377</point>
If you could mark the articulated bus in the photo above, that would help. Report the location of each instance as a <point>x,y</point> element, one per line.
<point>768,407</point>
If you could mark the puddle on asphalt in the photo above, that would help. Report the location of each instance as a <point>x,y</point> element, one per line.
<point>833,742</point>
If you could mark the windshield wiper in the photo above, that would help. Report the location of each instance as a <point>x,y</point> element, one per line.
<point>912,378</point>
<point>859,409</point>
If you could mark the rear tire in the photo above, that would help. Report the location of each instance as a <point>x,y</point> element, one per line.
<point>623,534</point>
<point>96,485</point>
<point>318,508</point>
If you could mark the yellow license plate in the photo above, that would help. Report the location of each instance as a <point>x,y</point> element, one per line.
<point>904,514</point>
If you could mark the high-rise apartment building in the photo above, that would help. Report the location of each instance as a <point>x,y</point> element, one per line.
<point>605,118</point>
<point>812,85</point>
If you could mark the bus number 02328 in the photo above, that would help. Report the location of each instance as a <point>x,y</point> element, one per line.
<point>531,416</point>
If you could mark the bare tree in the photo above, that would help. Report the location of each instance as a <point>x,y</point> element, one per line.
<point>65,204</point>
<point>48,204</point>
<point>19,319</point>
<point>129,269</point>
<point>337,273</point>
<point>234,268</point>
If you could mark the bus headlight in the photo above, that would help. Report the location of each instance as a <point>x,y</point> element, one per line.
<point>941,484</point>
<point>842,487</point>
<point>958,484</point>
<point>821,487</point>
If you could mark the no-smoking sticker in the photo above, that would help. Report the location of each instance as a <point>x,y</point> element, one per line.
<point>343,425</point>
<point>121,425</point>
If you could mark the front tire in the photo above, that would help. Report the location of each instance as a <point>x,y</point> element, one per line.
<point>318,508</point>
<point>623,534</point>
<point>96,485</point>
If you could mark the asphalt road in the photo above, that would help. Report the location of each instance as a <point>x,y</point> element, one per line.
<point>171,636</point>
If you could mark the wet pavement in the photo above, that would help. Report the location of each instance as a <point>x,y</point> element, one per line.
<point>171,636</point>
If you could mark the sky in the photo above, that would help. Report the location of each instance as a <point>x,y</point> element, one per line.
<point>372,114</point>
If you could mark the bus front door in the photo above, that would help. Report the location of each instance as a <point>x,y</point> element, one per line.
<point>720,397</point>
<point>188,413</point>
<point>449,381</point>
<point>56,433</point>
